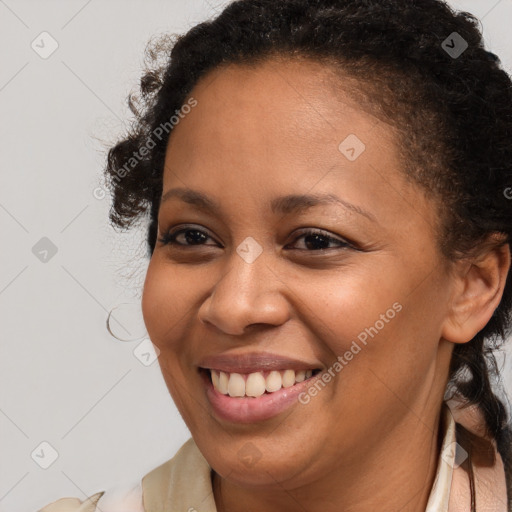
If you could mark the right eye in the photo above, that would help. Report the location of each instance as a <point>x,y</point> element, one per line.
<point>189,235</point>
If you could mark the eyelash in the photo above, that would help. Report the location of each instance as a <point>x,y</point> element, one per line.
<point>169,238</point>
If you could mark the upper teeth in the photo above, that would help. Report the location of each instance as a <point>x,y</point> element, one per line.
<point>255,384</point>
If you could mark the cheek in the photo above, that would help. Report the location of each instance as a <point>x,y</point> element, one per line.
<point>350,307</point>
<point>153,301</point>
<point>374,323</point>
<point>165,302</point>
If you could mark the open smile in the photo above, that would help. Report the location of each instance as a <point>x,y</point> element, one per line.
<point>256,396</point>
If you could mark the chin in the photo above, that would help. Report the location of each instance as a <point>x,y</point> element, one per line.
<point>255,460</point>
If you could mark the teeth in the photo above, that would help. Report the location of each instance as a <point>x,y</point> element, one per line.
<point>223,383</point>
<point>274,381</point>
<point>236,385</point>
<point>255,384</point>
<point>288,378</point>
<point>215,379</point>
<point>300,376</point>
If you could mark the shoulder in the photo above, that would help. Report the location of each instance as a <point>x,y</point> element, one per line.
<point>187,469</point>
<point>164,480</point>
<point>125,498</point>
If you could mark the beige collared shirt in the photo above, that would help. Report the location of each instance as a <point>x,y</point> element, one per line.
<point>183,484</point>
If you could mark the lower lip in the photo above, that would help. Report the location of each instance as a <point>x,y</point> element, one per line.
<point>249,409</point>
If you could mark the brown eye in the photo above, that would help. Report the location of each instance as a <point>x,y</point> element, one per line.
<point>188,236</point>
<point>315,240</point>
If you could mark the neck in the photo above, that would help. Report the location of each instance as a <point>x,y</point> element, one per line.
<point>398,471</point>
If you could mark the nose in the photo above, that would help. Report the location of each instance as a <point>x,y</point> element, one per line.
<point>246,294</point>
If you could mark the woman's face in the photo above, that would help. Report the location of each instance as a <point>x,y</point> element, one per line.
<point>348,284</point>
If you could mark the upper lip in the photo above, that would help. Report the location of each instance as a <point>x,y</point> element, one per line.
<point>253,362</point>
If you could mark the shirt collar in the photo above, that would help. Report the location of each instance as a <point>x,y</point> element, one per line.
<point>440,494</point>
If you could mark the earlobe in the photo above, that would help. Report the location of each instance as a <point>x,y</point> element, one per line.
<point>478,290</point>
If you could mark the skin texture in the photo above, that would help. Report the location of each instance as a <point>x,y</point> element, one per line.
<point>370,437</point>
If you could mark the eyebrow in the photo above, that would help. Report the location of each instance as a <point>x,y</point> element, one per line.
<point>292,203</point>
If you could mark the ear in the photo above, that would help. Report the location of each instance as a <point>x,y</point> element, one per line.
<point>479,284</point>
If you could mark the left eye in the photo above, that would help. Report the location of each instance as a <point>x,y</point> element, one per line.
<point>318,240</point>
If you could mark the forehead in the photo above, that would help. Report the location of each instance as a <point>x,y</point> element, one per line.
<point>294,92</point>
<point>280,110</point>
<point>291,126</point>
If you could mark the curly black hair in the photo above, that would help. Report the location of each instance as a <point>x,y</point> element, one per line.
<point>452,111</point>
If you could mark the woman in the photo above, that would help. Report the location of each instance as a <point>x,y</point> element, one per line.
<point>328,184</point>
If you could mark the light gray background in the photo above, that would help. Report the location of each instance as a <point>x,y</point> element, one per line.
<point>64,379</point>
